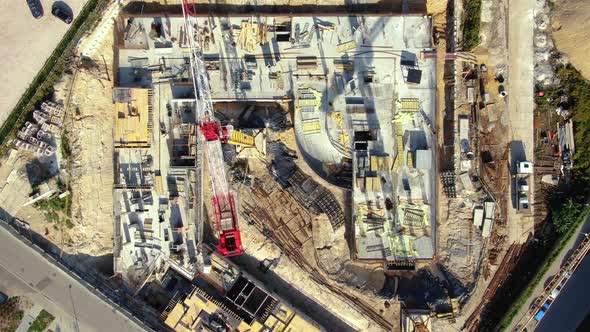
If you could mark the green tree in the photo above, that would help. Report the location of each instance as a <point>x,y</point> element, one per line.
<point>565,215</point>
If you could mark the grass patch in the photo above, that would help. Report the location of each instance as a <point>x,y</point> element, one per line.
<point>471,23</point>
<point>41,322</point>
<point>10,315</point>
<point>66,148</point>
<point>57,211</point>
<point>552,256</point>
<point>41,87</point>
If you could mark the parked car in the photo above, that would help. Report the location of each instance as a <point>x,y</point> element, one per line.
<point>61,13</point>
<point>36,8</point>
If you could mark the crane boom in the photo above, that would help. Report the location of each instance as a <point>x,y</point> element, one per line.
<point>210,138</point>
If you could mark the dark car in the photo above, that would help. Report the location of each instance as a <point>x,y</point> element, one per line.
<point>36,8</point>
<point>62,14</point>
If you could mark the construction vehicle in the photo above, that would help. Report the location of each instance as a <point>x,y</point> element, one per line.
<point>522,189</point>
<point>212,134</point>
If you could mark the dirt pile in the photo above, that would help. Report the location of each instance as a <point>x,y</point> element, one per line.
<point>435,7</point>
<point>571,30</point>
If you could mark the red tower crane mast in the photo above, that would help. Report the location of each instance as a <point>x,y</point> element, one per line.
<point>210,139</point>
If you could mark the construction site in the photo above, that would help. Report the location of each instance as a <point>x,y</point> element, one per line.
<point>316,133</point>
<point>276,170</point>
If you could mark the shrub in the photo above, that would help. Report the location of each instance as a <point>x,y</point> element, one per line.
<point>471,23</point>
<point>41,322</point>
<point>565,216</point>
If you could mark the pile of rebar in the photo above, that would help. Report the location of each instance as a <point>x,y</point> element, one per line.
<point>267,220</point>
<point>279,122</point>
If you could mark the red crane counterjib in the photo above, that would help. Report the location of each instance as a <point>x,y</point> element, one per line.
<point>230,242</point>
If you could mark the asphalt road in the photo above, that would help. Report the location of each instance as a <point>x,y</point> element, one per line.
<point>572,305</point>
<point>555,267</point>
<point>24,271</point>
<point>26,44</point>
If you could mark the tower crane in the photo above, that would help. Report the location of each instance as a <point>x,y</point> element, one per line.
<point>211,135</point>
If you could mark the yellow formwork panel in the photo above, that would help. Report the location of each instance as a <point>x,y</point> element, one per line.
<point>348,66</point>
<point>402,246</point>
<point>311,127</point>
<point>380,163</point>
<point>239,138</point>
<point>337,117</point>
<point>307,102</point>
<point>374,184</point>
<point>159,186</point>
<point>410,104</point>
<point>364,210</point>
<point>346,46</point>
<point>318,95</point>
<point>410,159</point>
<point>343,137</point>
<point>400,117</point>
<point>400,157</point>
<point>396,164</point>
<point>132,120</point>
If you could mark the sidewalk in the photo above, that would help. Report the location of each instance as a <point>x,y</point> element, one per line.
<point>29,318</point>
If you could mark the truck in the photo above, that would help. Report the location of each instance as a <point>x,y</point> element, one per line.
<point>541,313</point>
<point>524,170</point>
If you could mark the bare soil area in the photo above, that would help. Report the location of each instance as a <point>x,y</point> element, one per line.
<point>90,127</point>
<point>571,31</point>
<point>324,250</point>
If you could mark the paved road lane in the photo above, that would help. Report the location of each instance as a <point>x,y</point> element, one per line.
<point>26,44</point>
<point>571,245</point>
<point>28,272</point>
<point>572,305</point>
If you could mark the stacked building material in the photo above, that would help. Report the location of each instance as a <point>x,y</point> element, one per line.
<point>31,138</point>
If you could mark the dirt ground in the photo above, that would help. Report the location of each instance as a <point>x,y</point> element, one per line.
<point>27,43</point>
<point>571,31</point>
<point>319,241</point>
<point>460,249</point>
<point>436,8</point>
<point>90,124</point>
<point>261,248</point>
<point>319,244</point>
